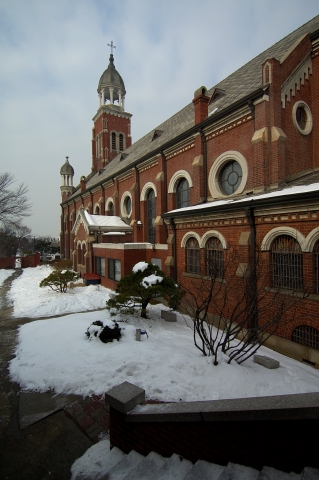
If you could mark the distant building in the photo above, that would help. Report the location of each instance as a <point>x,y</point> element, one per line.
<point>237,166</point>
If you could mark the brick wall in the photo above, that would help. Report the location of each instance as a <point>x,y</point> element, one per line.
<point>268,431</point>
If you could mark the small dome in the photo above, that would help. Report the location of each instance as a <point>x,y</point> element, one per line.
<point>66,169</point>
<point>111,78</point>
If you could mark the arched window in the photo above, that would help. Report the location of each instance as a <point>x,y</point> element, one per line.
<point>121,141</point>
<point>286,263</point>
<point>79,254</point>
<point>114,141</point>
<point>316,266</point>
<point>214,258</point>
<point>192,256</point>
<point>111,209</point>
<point>182,193</point>
<point>151,216</point>
<point>97,210</point>
<point>308,336</point>
<point>83,253</point>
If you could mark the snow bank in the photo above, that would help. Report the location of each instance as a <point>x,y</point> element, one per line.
<point>4,274</point>
<point>167,364</point>
<point>29,300</point>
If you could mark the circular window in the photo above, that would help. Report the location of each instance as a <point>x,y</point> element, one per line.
<point>228,174</point>
<point>230,177</point>
<point>302,117</point>
<point>128,206</point>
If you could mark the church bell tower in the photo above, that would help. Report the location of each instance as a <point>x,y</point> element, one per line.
<point>111,133</point>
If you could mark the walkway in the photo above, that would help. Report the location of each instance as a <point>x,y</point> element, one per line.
<point>41,435</point>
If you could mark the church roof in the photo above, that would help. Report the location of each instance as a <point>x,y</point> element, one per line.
<point>237,87</point>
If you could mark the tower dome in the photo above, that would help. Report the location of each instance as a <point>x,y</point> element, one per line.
<point>67,174</point>
<point>66,169</point>
<point>111,86</point>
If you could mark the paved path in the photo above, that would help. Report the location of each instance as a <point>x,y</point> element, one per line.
<point>41,435</point>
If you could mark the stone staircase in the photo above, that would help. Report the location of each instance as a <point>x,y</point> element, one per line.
<point>134,466</point>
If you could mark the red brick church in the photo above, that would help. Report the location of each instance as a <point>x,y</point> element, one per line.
<point>238,166</point>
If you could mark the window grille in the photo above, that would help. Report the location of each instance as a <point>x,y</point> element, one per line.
<point>316,267</point>
<point>286,263</point>
<point>114,141</point>
<point>151,216</point>
<point>182,194</point>
<point>121,140</point>
<point>307,336</point>
<point>192,256</point>
<point>214,258</point>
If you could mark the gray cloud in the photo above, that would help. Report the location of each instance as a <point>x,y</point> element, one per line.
<point>53,54</point>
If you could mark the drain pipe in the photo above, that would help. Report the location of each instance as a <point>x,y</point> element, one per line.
<point>253,321</point>
<point>204,142</point>
<point>173,226</point>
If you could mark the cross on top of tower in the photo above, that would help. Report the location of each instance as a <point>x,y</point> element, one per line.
<point>112,46</point>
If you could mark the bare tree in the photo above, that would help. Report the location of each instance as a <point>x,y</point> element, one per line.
<point>233,309</point>
<point>14,202</point>
<point>11,239</point>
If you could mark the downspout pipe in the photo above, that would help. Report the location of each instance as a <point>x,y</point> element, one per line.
<point>173,226</point>
<point>205,176</point>
<point>253,320</point>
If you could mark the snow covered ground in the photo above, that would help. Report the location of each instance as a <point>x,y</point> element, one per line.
<point>55,353</point>
<point>30,300</point>
<point>166,364</point>
<point>4,274</point>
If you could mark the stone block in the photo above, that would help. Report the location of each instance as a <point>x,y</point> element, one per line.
<point>168,316</point>
<point>266,362</point>
<point>125,397</point>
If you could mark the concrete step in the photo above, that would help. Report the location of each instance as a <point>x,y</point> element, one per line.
<point>310,473</point>
<point>134,466</point>
<point>204,471</point>
<point>149,465</point>
<point>176,467</point>
<point>238,472</point>
<point>269,473</point>
<point>124,466</point>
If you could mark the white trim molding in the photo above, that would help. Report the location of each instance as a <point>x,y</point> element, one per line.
<point>147,186</point>
<point>107,203</point>
<point>178,176</point>
<point>309,120</point>
<point>213,178</point>
<point>311,240</point>
<point>123,209</point>
<point>189,235</point>
<point>276,232</point>
<point>210,234</point>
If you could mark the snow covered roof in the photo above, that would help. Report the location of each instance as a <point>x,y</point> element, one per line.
<point>243,201</point>
<point>99,223</point>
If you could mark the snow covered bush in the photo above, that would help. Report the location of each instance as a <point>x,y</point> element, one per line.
<point>145,282</point>
<point>105,333</point>
<point>58,280</point>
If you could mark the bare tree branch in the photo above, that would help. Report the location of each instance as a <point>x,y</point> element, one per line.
<point>14,202</point>
<point>235,314</point>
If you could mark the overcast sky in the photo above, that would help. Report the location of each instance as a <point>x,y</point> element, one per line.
<point>53,53</point>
